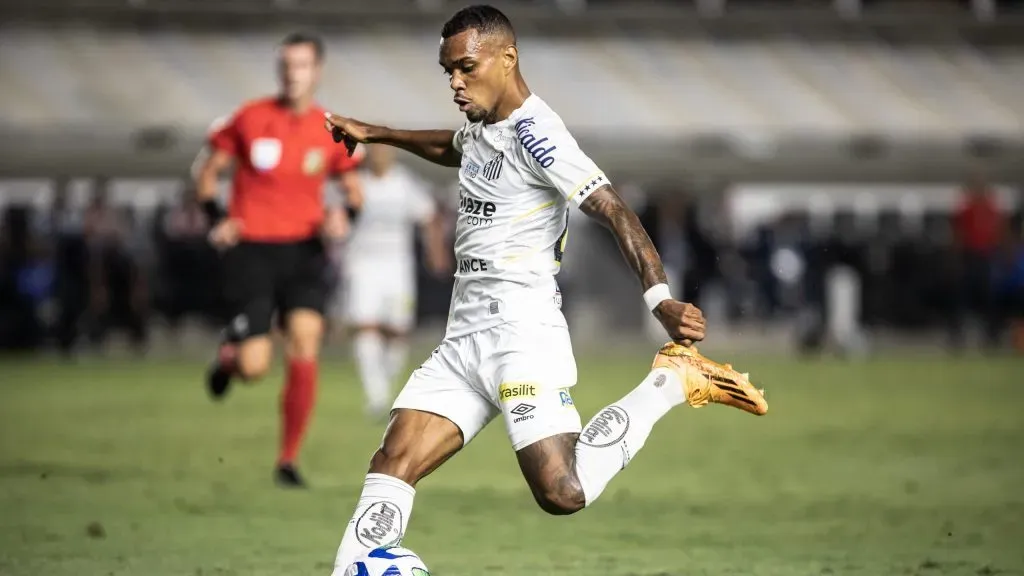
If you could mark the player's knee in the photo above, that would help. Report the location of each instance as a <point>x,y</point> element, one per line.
<point>561,498</point>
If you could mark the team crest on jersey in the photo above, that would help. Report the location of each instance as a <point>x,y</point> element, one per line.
<point>471,168</point>
<point>265,153</point>
<point>313,163</point>
<point>492,170</point>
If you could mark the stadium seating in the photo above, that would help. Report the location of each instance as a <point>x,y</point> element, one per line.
<point>664,87</point>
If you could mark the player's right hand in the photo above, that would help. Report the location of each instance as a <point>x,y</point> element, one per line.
<point>226,233</point>
<point>683,321</point>
<point>342,128</point>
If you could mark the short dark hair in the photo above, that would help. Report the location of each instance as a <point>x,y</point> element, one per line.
<point>297,38</point>
<point>480,17</point>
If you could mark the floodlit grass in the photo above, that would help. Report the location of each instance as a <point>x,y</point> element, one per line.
<point>885,468</point>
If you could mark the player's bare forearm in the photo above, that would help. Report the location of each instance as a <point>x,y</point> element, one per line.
<point>431,145</point>
<point>607,207</point>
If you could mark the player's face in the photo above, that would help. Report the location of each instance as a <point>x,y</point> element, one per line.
<point>478,67</point>
<point>299,69</point>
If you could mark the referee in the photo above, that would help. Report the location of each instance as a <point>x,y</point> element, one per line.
<point>272,235</point>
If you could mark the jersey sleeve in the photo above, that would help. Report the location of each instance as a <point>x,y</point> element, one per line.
<point>460,137</point>
<point>555,158</point>
<point>343,162</point>
<point>224,134</point>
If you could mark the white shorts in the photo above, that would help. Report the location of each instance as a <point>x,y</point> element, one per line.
<point>380,296</point>
<point>522,371</point>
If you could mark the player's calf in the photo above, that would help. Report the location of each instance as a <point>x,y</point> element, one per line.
<point>549,467</point>
<point>415,444</point>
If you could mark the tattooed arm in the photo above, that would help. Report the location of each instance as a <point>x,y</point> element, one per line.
<point>683,322</point>
<point>606,207</point>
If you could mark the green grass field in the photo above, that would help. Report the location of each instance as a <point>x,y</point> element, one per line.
<point>890,467</point>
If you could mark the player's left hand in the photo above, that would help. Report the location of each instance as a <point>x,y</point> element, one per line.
<point>335,225</point>
<point>683,321</point>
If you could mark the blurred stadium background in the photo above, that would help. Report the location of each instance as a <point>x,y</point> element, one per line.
<point>841,176</point>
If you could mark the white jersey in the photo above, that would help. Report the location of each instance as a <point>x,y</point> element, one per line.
<point>393,205</point>
<point>516,181</point>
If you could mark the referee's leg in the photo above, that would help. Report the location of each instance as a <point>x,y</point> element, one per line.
<point>246,349</point>
<point>302,301</point>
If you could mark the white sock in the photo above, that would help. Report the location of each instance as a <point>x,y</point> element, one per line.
<point>380,519</point>
<point>396,355</point>
<point>369,349</point>
<point>616,433</point>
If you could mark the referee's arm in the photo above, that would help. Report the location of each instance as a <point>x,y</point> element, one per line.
<point>211,163</point>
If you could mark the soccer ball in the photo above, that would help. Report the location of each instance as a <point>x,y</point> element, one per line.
<point>388,561</point>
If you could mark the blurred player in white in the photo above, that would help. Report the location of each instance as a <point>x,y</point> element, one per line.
<point>506,350</point>
<point>380,270</point>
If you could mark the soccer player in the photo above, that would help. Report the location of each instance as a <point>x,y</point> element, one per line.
<point>275,259</point>
<point>380,281</point>
<point>506,350</point>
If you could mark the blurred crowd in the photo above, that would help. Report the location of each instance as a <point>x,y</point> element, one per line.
<point>72,275</point>
<point>947,271</point>
<point>69,277</point>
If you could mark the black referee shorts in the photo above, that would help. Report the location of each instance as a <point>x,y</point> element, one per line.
<point>261,278</point>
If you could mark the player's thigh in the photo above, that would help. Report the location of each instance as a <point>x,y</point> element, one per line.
<point>441,386</point>
<point>248,288</point>
<point>531,372</point>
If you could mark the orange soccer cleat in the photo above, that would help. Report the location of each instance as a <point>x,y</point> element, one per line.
<point>707,381</point>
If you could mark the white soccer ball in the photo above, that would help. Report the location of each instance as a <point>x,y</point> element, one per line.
<point>388,561</point>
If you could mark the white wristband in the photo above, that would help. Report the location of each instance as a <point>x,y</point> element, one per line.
<point>656,295</point>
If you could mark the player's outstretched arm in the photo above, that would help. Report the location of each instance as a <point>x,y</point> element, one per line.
<point>683,322</point>
<point>436,146</point>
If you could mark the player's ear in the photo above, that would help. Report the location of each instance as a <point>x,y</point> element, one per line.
<point>511,57</point>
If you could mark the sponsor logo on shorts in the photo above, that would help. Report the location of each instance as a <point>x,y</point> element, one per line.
<point>508,391</point>
<point>523,412</point>
<point>564,396</point>
<point>607,428</point>
<point>469,265</point>
<point>380,525</point>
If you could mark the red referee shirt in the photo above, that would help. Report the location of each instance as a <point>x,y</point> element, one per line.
<point>281,161</point>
